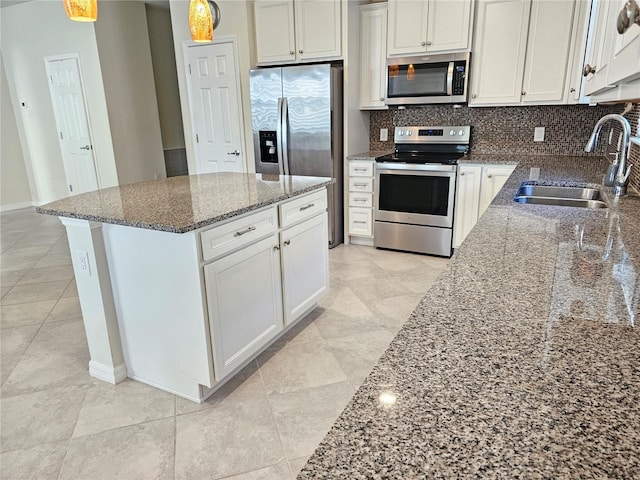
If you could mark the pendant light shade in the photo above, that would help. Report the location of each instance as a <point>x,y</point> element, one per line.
<point>204,17</point>
<point>81,10</point>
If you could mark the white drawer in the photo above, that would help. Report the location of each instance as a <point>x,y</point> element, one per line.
<point>360,221</point>
<point>221,240</point>
<point>361,184</point>
<point>360,200</point>
<point>360,168</point>
<point>303,207</point>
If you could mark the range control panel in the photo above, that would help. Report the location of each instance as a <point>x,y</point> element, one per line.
<point>437,134</point>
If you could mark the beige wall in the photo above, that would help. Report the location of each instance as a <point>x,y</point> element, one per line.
<point>30,32</point>
<point>234,23</point>
<point>127,74</point>
<point>165,75</point>
<point>14,184</point>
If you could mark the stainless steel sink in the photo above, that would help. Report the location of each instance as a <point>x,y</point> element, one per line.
<point>584,197</point>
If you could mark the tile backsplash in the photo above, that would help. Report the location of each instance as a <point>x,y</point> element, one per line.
<point>510,129</point>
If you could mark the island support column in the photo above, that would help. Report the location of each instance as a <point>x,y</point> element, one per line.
<point>88,254</point>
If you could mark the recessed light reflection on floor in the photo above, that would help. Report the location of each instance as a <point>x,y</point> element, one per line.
<point>387,399</point>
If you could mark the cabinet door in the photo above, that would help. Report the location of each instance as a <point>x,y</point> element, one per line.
<point>625,62</point>
<point>449,24</point>
<point>467,201</point>
<point>360,220</point>
<point>245,303</point>
<point>547,58</point>
<point>373,56</point>
<point>275,39</point>
<point>493,179</point>
<point>600,46</point>
<point>407,23</point>
<point>575,83</point>
<point>305,265</point>
<point>318,29</point>
<point>500,45</point>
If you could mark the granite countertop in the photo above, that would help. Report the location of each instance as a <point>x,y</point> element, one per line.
<point>522,361</point>
<point>184,203</point>
<point>370,155</point>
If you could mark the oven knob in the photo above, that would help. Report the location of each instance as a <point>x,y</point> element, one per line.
<point>461,132</point>
<point>452,133</point>
<point>400,133</point>
<point>409,132</point>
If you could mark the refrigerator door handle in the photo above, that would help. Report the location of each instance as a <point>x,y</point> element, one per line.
<point>279,143</point>
<point>285,135</point>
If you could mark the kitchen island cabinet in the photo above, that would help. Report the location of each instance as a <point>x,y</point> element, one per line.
<point>522,360</point>
<point>181,280</point>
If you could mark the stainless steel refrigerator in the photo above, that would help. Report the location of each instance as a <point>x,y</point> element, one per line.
<point>297,128</point>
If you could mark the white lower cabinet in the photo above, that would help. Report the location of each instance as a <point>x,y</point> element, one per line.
<point>477,186</point>
<point>259,289</point>
<point>244,300</point>
<point>305,261</point>
<point>361,191</point>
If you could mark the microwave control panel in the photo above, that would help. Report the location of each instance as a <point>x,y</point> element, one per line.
<point>459,74</point>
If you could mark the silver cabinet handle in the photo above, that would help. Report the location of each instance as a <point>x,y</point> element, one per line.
<point>235,152</point>
<point>462,174</point>
<point>382,99</point>
<point>489,175</point>
<point>359,169</point>
<point>588,69</point>
<point>287,242</point>
<point>360,184</point>
<point>300,51</point>
<point>429,42</point>
<point>572,90</point>
<point>292,52</point>
<point>359,200</point>
<point>276,247</point>
<point>86,147</point>
<point>423,43</point>
<point>306,207</point>
<point>523,93</point>
<point>359,221</point>
<point>474,95</point>
<point>242,232</point>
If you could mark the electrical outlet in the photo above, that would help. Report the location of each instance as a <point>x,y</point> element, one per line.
<point>83,262</point>
<point>538,134</point>
<point>534,173</point>
<point>384,134</point>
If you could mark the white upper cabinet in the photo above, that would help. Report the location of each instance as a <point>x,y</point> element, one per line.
<point>373,55</point>
<point>433,26</point>
<point>600,46</point>
<point>522,52</point>
<point>289,31</point>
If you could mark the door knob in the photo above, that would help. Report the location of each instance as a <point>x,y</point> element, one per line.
<point>86,147</point>
<point>299,51</point>
<point>235,152</point>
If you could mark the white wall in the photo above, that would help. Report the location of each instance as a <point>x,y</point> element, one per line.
<point>29,32</point>
<point>14,184</point>
<point>125,61</point>
<point>234,22</point>
<point>165,75</point>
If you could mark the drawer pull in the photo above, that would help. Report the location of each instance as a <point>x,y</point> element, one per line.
<point>306,207</point>
<point>242,232</point>
<point>287,242</point>
<point>361,184</point>
<point>359,200</point>
<point>359,221</point>
<point>360,169</point>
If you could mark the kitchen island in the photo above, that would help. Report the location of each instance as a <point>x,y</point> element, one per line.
<point>523,359</point>
<point>183,281</point>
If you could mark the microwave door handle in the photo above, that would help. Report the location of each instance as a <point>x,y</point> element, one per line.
<point>450,79</point>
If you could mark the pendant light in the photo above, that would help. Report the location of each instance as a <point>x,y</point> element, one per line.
<point>81,10</point>
<point>204,17</point>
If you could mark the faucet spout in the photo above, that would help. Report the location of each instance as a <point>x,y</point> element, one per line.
<point>622,176</point>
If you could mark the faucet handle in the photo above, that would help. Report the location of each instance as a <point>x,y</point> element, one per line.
<point>623,179</point>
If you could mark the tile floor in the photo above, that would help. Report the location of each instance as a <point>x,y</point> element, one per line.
<point>59,423</point>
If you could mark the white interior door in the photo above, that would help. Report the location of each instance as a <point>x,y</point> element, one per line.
<point>216,107</point>
<point>65,87</point>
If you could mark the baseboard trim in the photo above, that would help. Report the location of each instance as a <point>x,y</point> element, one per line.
<point>113,375</point>
<point>16,206</point>
<point>368,242</point>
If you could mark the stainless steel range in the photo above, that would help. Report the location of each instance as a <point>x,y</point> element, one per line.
<point>415,189</point>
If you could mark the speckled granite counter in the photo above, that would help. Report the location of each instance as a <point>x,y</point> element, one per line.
<point>185,203</point>
<point>370,155</point>
<point>520,362</point>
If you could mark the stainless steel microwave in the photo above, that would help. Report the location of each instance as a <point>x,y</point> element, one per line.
<point>424,79</point>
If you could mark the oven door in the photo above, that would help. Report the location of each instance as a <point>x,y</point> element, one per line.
<point>415,194</point>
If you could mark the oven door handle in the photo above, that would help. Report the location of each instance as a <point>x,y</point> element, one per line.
<point>415,168</point>
<point>450,79</point>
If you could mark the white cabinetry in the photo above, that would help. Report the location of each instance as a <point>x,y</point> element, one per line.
<point>373,55</point>
<point>255,290</point>
<point>245,306</point>
<point>361,201</point>
<point>477,187</point>
<point>419,26</point>
<point>612,64</point>
<point>522,51</point>
<point>289,31</point>
<point>467,200</point>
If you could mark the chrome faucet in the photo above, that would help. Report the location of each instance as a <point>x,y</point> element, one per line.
<point>622,176</point>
